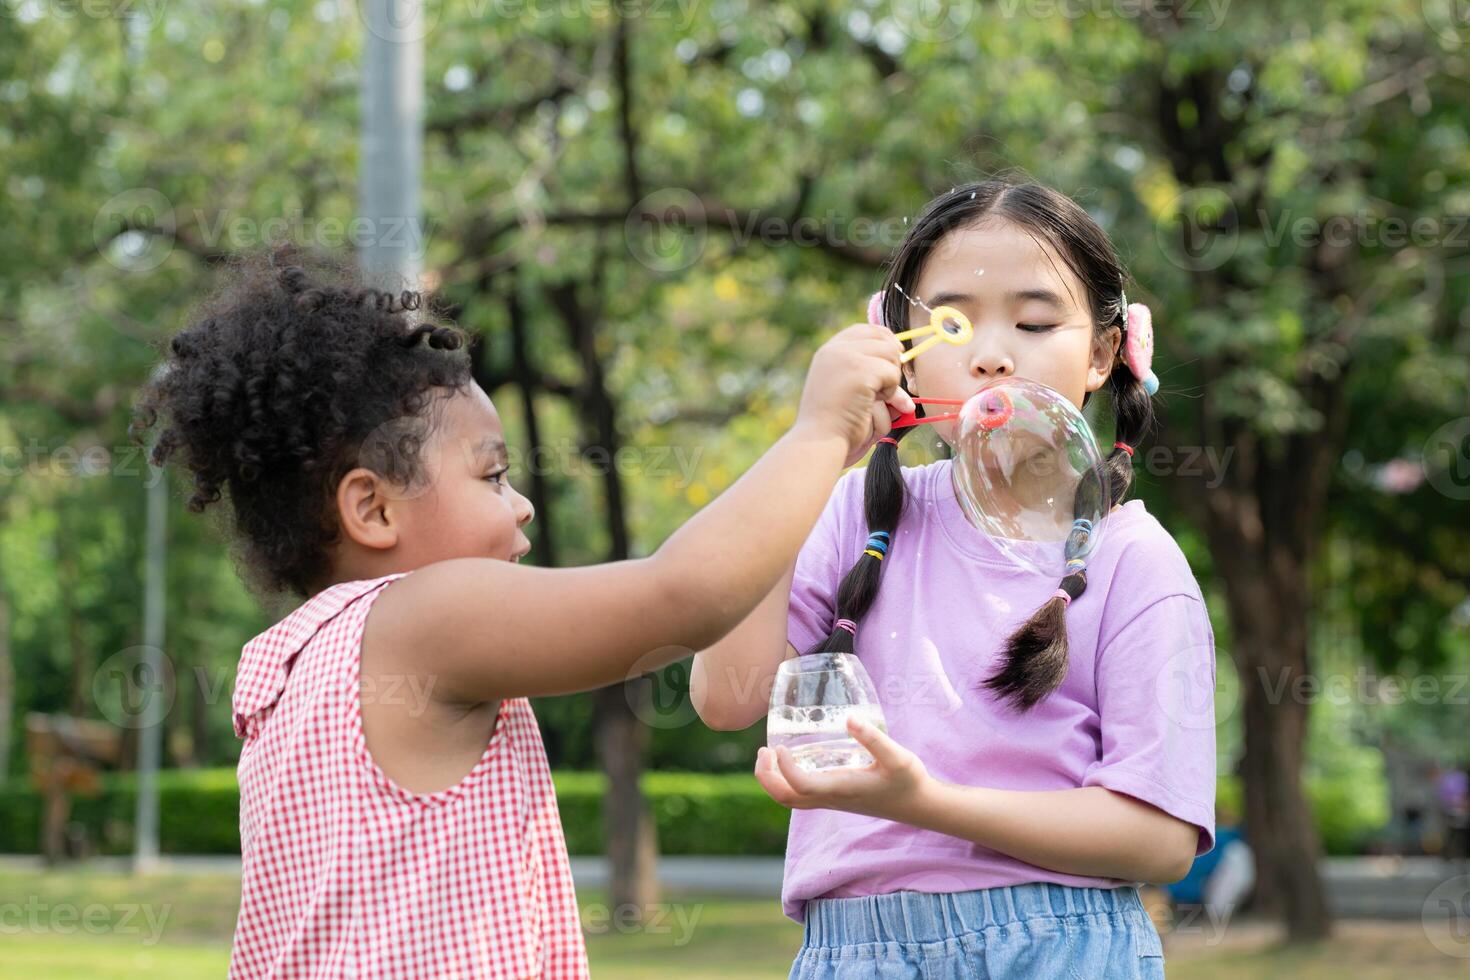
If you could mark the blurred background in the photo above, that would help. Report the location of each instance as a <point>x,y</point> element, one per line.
<point>649,213</point>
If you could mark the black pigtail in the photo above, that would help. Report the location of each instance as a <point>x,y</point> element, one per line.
<point>883,499</point>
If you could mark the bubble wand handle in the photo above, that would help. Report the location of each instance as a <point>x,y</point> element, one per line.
<point>906,419</point>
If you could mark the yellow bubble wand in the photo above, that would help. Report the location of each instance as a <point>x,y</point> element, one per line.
<point>946,325</point>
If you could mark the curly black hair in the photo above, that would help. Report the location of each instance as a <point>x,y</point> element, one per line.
<point>280,385</point>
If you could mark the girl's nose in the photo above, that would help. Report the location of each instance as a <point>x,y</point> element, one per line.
<point>524,510</point>
<point>991,363</point>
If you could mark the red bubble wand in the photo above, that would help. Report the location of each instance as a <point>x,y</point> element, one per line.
<point>993,410</point>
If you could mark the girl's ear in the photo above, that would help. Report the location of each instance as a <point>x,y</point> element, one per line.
<point>908,378</point>
<point>364,510</point>
<point>1104,356</point>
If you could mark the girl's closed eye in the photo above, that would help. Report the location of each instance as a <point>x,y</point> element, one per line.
<point>1037,327</point>
<point>497,477</point>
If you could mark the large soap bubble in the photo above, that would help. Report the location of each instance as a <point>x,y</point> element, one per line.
<point>1030,475</point>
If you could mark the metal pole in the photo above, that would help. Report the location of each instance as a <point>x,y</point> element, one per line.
<point>391,244</point>
<point>150,735</point>
<point>157,702</point>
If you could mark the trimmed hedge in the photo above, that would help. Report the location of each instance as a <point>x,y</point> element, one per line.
<point>198,813</point>
<point>697,813</point>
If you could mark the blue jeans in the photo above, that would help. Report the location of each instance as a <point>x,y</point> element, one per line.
<point>1033,930</point>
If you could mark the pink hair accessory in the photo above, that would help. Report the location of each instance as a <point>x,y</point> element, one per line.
<point>1138,344</point>
<point>847,624</point>
<point>875,309</point>
<point>1062,595</point>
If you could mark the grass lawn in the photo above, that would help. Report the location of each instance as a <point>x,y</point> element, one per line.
<point>1358,950</point>
<point>82,925</point>
<point>92,924</point>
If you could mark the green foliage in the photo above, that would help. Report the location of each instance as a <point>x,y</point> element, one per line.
<point>1350,809</point>
<point>213,120</point>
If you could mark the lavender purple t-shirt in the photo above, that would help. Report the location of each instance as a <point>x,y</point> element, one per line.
<point>1135,713</point>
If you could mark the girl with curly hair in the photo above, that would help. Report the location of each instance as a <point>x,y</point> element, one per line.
<point>397,817</point>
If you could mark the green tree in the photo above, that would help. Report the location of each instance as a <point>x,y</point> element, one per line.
<point>650,215</point>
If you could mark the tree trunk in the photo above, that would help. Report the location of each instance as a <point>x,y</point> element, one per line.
<point>1262,523</point>
<point>80,684</point>
<point>198,720</point>
<point>55,813</point>
<point>628,828</point>
<point>7,677</point>
<point>525,377</point>
<point>7,688</point>
<point>1263,561</point>
<point>622,739</point>
<point>1271,659</point>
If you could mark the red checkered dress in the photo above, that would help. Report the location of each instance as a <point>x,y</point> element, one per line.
<point>346,873</point>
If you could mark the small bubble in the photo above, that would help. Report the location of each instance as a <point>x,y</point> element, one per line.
<point>913,301</point>
<point>972,195</point>
<point>893,636</point>
<point>979,272</point>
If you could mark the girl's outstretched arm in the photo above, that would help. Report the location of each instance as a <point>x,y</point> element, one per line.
<point>482,629</point>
